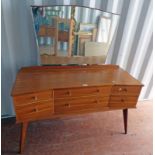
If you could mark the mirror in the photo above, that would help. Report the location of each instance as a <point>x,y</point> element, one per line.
<point>73,34</point>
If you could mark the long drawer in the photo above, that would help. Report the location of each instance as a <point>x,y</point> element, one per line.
<point>78,92</point>
<point>33,97</point>
<point>126,90</point>
<point>78,104</point>
<point>123,101</point>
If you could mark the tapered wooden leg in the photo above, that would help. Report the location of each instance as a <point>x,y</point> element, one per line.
<point>125,118</point>
<point>23,136</point>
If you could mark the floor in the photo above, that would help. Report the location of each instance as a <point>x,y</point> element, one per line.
<point>91,134</point>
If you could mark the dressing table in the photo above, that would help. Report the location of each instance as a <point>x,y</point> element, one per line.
<point>44,92</point>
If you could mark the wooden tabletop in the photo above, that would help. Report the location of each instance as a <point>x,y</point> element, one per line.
<point>41,78</point>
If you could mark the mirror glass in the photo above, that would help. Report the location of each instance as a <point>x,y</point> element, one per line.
<point>72,32</point>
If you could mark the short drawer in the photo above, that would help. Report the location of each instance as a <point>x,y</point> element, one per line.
<point>34,115</point>
<point>82,103</point>
<point>34,109</point>
<point>126,90</point>
<point>34,97</point>
<point>35,105</point>
<point>76,92</point>
<point>123,101</point>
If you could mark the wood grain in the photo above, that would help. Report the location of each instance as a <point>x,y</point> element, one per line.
<point>43,92</point>
<point>42,78</point>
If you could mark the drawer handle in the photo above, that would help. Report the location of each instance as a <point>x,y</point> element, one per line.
<point>98,90</point>
<point>125,89</point>
<point>68,93</point>
<point>122,89</point>
<point>35,98</point>
<point>35,110</point>
<point>96,101</point>
<point>67,105</point>
<point>122,100</point>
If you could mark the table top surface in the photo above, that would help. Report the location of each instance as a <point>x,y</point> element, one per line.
<point>41,78</point>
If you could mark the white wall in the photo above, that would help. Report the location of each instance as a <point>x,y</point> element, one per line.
<point>18,46</point>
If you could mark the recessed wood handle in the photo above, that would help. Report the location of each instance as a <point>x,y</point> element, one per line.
<point>125,89</point>
<point>122,89</point>
<point>34,98</point>
<point>67,105</point>
<point>35,110</point>
<point>68,93</point>
<point>98,90</point>
<point>122,100</point>
<point>96,101</point>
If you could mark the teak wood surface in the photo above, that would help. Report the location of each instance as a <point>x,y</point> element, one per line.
<point>42,92</point>
<point>41,78</point>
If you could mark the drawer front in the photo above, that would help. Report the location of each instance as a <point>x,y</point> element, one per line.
<point>34,110</point>
<point>123,101</point>
<point>126,90</point>
<point>78,104</point>
<point>76,92</point>
<point>34,97</point>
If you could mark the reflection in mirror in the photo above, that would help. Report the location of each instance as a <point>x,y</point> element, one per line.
<point>72,32</point>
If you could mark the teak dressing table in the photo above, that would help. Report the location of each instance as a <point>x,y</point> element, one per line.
<point>44,92</point>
